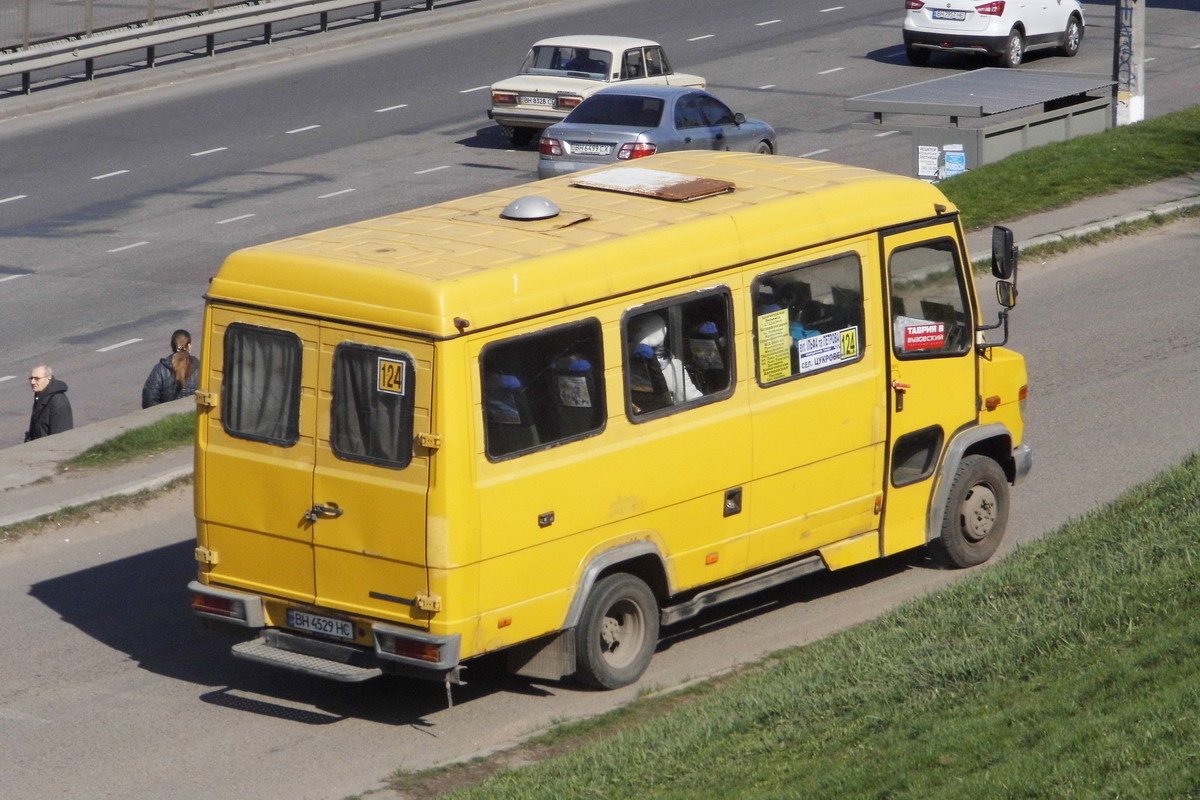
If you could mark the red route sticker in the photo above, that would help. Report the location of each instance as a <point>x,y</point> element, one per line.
<point>928,336</point>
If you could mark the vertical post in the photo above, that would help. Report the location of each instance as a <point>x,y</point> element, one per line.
<point>25,24</point>
<point>150,12</point>
<point>1128,67</point>
<point>89,18</point>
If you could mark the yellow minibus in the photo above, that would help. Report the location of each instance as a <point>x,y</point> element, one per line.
<point>551,419</point>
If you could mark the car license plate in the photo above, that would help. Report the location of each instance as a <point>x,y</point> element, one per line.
<point>941,13</point>
<point>534,100</point>
<point>326,626</point>
<point>586,149</point>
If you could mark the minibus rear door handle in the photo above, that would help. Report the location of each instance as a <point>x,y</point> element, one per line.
<point>900,389</point>
<point>322,512</point>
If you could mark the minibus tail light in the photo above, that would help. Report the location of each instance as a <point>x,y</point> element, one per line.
<point>220,606</point>
<point>410,648</point>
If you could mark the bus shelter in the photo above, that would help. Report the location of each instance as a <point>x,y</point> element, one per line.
<point>981,116</point>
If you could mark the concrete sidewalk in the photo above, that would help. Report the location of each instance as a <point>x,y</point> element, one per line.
<point>31,483</point>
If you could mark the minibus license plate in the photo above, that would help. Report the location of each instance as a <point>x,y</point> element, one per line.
<point>585,149</point>
<point>533,100</point>
<point>325,626</point>
<point>941,13</point>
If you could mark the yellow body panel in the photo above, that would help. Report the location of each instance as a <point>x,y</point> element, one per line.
<point>494,550</point>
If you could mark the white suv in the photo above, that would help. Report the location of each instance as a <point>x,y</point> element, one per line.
<point>1004,29</point>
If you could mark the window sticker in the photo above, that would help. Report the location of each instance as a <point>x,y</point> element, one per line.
<point>920,334</point>
<point>825,349</point>
<point>573,392</point>
<point>390,376</point>
<point>774,346</point>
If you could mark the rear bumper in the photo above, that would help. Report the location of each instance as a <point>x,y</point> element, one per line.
<point>956,43</point>
<point>516,118</point>
<point>552,169</point>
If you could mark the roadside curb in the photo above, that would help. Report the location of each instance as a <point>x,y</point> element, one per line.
<point>1113,222</point>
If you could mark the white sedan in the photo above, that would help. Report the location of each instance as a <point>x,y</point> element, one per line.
<point>559,73</point>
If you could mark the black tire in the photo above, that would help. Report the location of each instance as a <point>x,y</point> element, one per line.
<point>764,148</point>
<point>520,137</point>
<point>917,56</point>
<point>975,516</point>
<point>616,636</point>
<point>1072,36</point>
<point>1014,50</point>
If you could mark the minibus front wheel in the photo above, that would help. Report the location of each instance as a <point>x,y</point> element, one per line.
<point>617,633</point>
<point>975,516</point>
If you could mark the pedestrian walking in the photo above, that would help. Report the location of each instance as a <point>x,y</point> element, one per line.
<point>174,376</point>
<point>51,408</point>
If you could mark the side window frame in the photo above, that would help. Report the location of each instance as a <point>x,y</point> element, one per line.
<point>542,389</point>
<point>819,336</point>
<point>700,355</point>
<point>400,384</point>
<point>288,400</point>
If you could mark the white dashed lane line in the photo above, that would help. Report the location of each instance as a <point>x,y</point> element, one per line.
<point>431,169</point>
<point>334,194</point>
<point>474,89</point>
<point>302,130</point>
<point>391,108</point>
<point>832,8</point>
<point>768,22</point>
<point>209,152</point>
<point>118,344</point>
<point>14,197</point>
<point>109,175</point>
<point>13,277</point>
<point>830,71</point>
<point>705,36</point>
<point>127,247</point>
<point>815,153</point>
<point>7,378</point>
<point>234,219</point>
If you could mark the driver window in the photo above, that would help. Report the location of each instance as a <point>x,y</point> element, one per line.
<point>928,302</point>
<point>715,112</point>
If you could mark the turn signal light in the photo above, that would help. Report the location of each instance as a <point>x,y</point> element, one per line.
<point>550,147</point>
<point>504,98</point>
<point>636,150</point>
<point>994,9</point>
<point>568,101</point>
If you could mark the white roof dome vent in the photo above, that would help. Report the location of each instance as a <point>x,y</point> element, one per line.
<point>529,208</point>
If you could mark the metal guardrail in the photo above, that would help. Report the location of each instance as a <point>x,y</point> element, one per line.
<point>148,36</point>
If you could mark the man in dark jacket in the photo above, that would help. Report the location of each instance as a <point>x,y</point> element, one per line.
<point>51,408</point>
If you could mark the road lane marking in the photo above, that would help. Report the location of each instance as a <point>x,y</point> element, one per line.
<point>885,133</point>
<point>474,89</point>
<point>815,153</point>
<point>768,86</point>
<point>118,344</point>
<point>234,219</point>
<point>209,152</point>
<point>13,277</point>
<point>768,22</point>
<point>828,71</point>
<point>705,36</point>
<point>109,174</point>
<point>334,194</point>
<point>302,130</point>
<point>127,247</point>
<point>391,108</point>
<point>14,197</point>
<point>7,378</point>
<point>431,169</point>
<point>831,8</point>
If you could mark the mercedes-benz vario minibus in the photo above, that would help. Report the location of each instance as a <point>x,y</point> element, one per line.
<point>551,419</point>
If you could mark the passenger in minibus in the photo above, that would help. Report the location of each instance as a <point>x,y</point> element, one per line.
<point>648,336</point>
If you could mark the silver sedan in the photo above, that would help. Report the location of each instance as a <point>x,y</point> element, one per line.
<point>628,122</point>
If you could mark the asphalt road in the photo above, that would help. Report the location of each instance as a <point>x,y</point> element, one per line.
<point>111,689</point>
<point>115,214</point>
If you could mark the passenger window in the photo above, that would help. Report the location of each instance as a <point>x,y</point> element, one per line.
<point>678,354</point>
<point>687,113</point>
<point>260,392</point>
<point>656,62</point>
<point>371,418</point>
<point>928,301</point>
<point>808,318</point>
<point>542,389</point>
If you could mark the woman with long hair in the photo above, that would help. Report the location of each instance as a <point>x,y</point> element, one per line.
<point>174,376</point>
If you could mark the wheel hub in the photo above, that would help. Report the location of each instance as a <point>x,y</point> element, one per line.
<point>979,513</point>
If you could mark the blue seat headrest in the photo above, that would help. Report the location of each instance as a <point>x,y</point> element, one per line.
<point>644,351</point>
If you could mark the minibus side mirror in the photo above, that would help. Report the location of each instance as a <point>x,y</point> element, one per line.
<point>1006,293</point>
<point>1004,253</point>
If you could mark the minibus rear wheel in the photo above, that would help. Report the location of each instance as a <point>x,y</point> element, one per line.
<point>975,516</point>
<point>617,634</point>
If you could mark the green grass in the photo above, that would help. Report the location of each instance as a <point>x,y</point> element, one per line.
<point>1062,173</point>
<point>176,430</point>
<point>1071,669</point>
